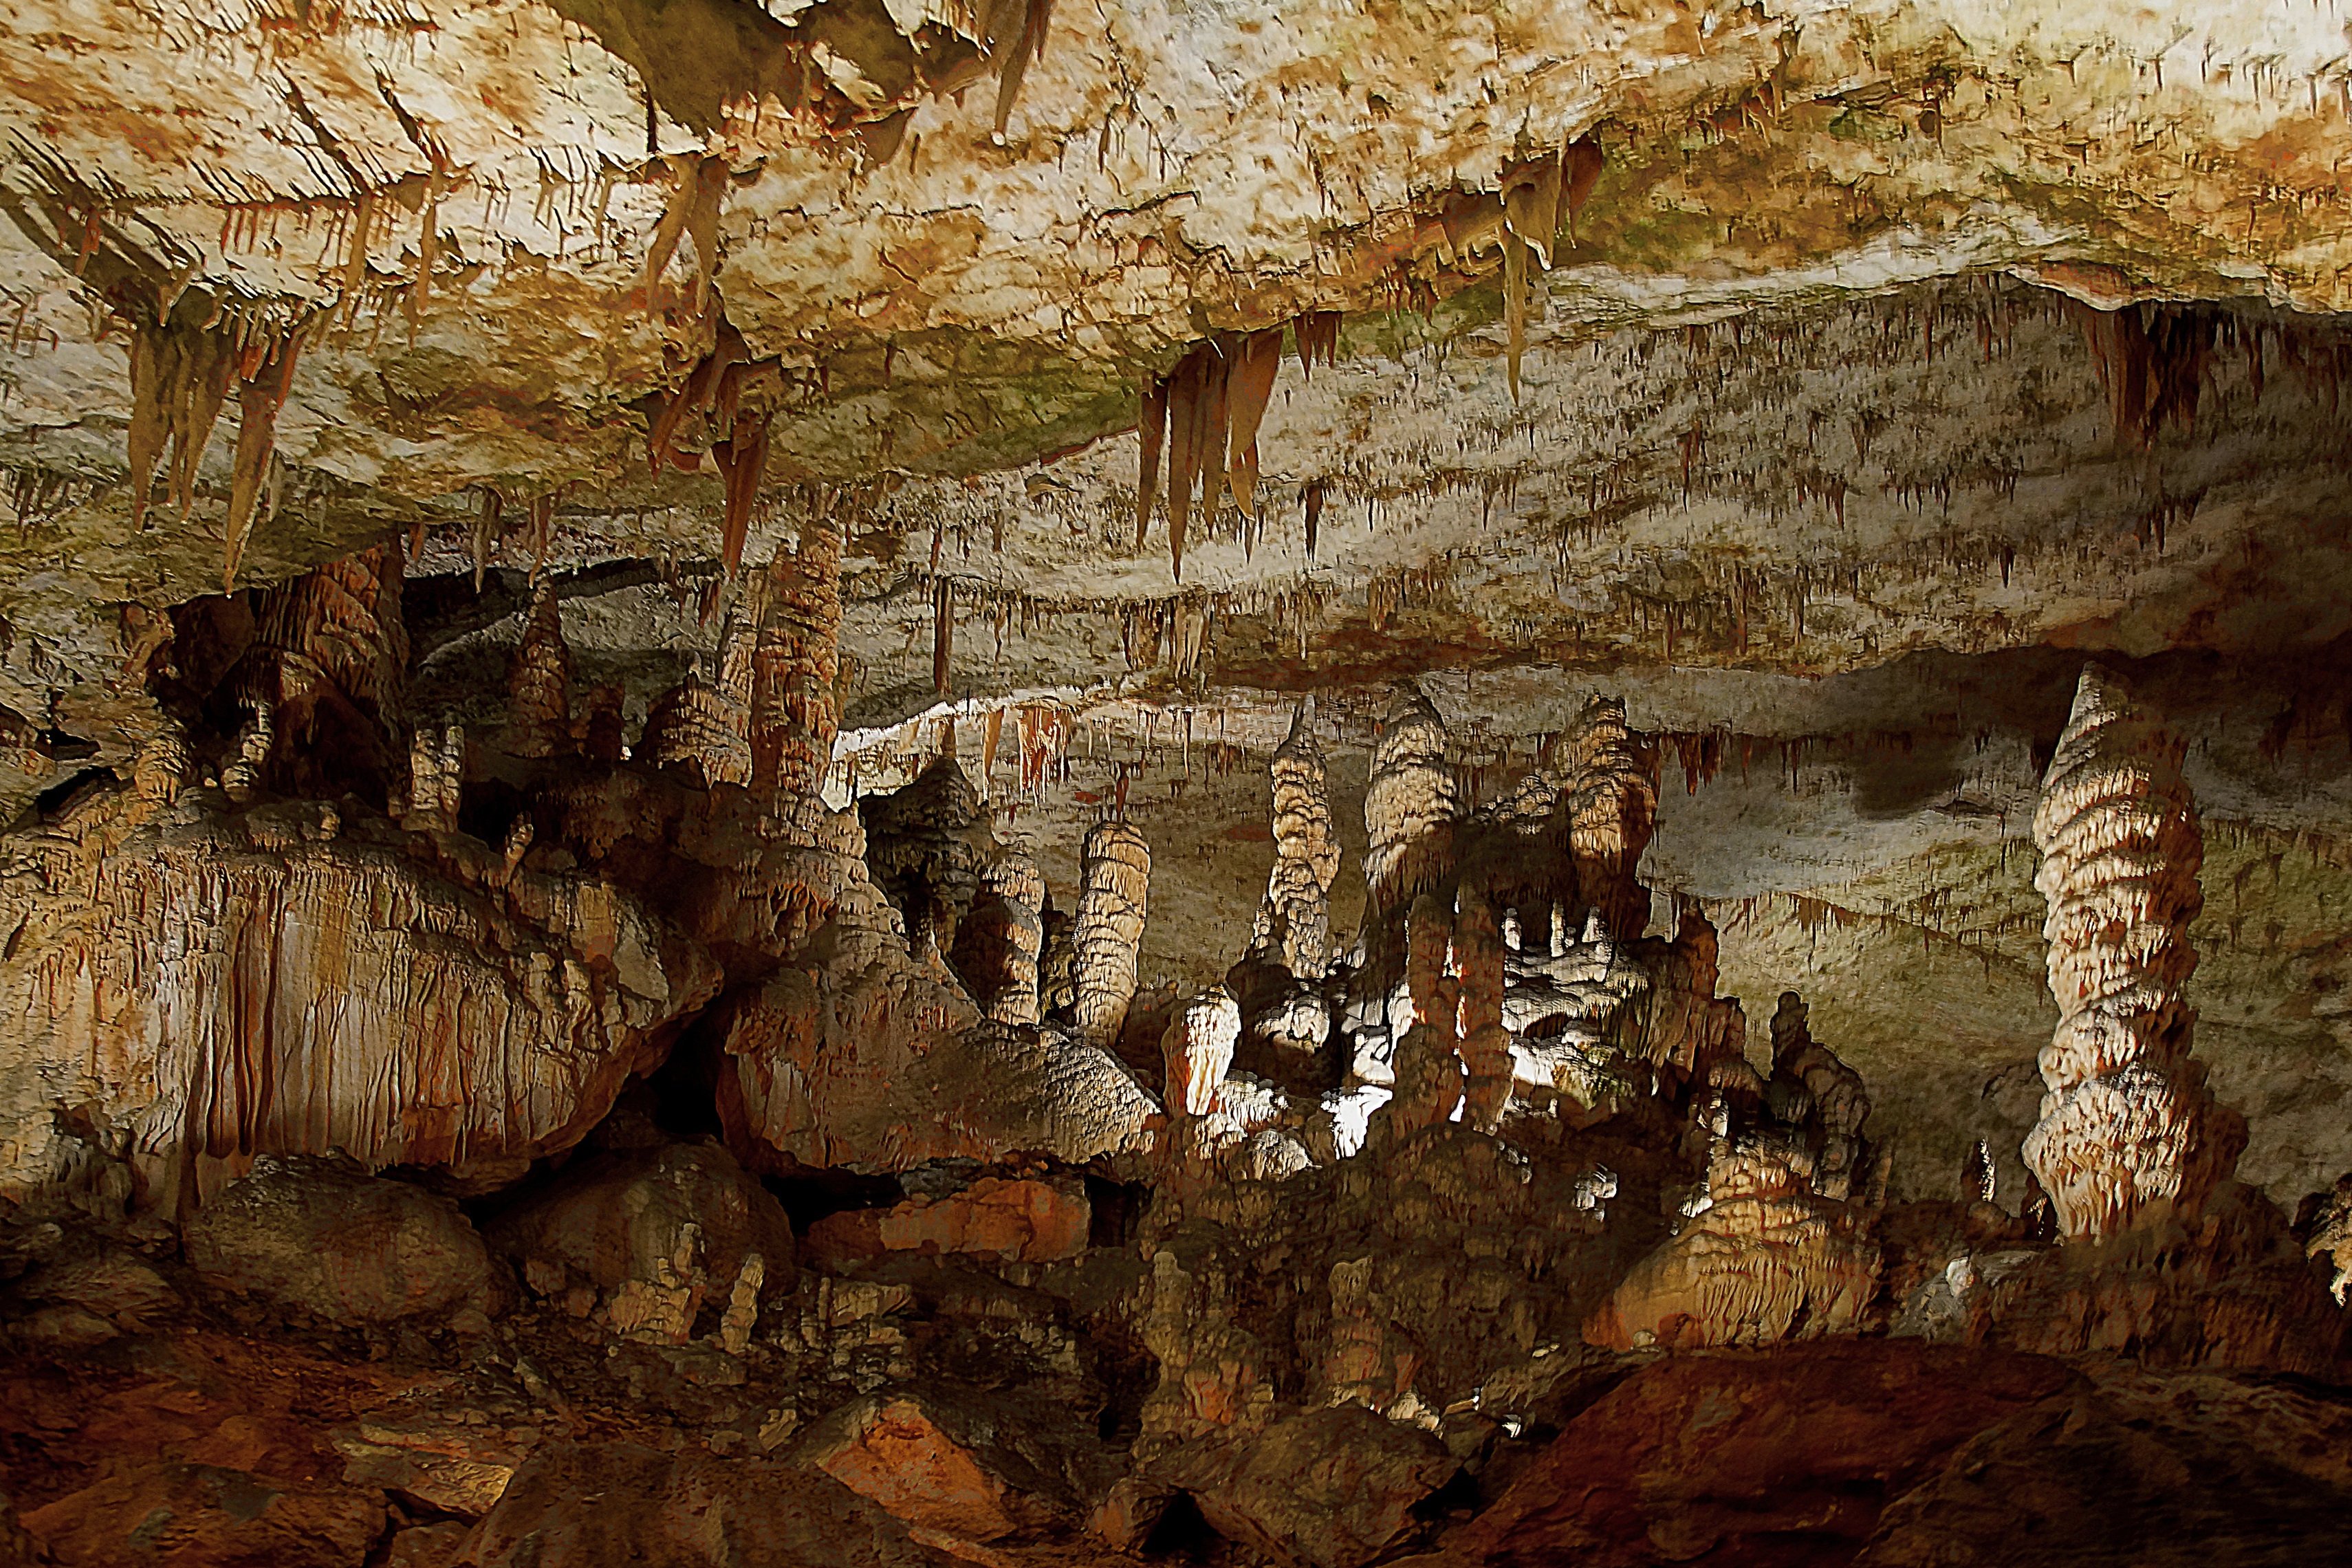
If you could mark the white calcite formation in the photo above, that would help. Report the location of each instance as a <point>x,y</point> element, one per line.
<point>1116,866</point>
<point>1198,1049</point>
<point>1294,920</point>
<point>2127,1121</point>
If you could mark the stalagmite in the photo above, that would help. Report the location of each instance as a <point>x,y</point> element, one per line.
<point>1116,866</point>
<point>1822,1094</point>
<point>1295,918</point>
<point>1428,1062</point>
<point>2127,1123</point>
<point>1197,1049</point>
<point>702,726</point>
<point>329,658</point>
<point>1612,809</point>
<point>539,682</point>
<point>1485,1046</point>
<point>796,609</point>
<point>1410,802</point>
<point>436,769</point>
<point>997,945</point>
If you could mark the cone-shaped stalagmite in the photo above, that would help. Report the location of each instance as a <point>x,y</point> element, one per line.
<point>1116,870</point>
<point>1409,804</point>
<point>538,712</point>
<point>1612,809</point>
<point>2127,1121</point>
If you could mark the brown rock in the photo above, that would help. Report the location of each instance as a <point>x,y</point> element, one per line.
<point>440,1458</point>
<point>1327,1489</point>
<point>323,1236</point>
<point>592,1505</point>
<point>177,1515</point>
<point>2148,1470</point>
<point>1409,802</point>
<point>1294,920</point>
<point>1025,1220</point>
<point>1116,865</point>
<point>968,1466</point>
<point>1781,1458</point>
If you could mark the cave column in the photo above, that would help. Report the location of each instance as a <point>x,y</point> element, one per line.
<point>2127,1123</point>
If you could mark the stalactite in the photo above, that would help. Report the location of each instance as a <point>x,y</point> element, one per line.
<point>179,378</point>
<point>2127,1121</point>
<point>1314,513</point>
<point>698,184</point>
<point>942,631</point>
<point>1250,383</point>
<point>1153,425</point>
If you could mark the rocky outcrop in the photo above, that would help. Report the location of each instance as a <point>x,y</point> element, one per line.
<point>582,1505</point>
<point>283,981</point>
<point>1031,1220</point>
<point>2326,1230</point>
<point>1116,868</point>
<point>1810,1088</point>
<point>703,728</point>
<point>650,1239</point>
<point>2127,1123</point>
<point>926,846</point>
<point>323,1236</point>
<point>1410,802</point>
<point>1324,1488</point>
<point>1294,920</point>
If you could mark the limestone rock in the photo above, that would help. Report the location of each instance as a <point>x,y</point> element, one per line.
<point>1612,805</point>
<point>1116,870</point>
<point>926,845</point>
<point>2127,1121</point>
<point>1026,1220</point>
<point>2327,1231</point>
<point>323,1236</point>
<point>1786,1456</point>
<point>659,1234</point>
<point>1198,1051</point>
<point>584,1505</point>
<point>998,945</point>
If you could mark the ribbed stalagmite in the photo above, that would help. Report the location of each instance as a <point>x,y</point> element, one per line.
<point>702,727</point>
<point>1115,865</point>
<point>1613,810</point>
<point>1295,918</point>
<point>2127,1121</point>
<point>539,682</point>
<point>1409,802</point>
<point>998,943</point>
<point>329,661</point>
<point>797,608</point>
<point>1485,1046</point>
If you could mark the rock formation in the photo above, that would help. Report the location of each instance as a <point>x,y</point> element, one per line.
<point>1409,802</point>
<point>538,685</point>
<point>1294,920</point>
<point>1116,871</point>
<point>1611,804</point>
<point>999,944</point>
<point>2127,1121</point>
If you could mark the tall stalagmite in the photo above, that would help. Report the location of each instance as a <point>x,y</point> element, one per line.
<point>2127,1121</point>
<point>1295,918</point>
<point>796,663</point>
<point>1613,809</point>
<point>1115,864</point>
<point>538,712</point>
<point>998,943</point>
<point>1410,802</point>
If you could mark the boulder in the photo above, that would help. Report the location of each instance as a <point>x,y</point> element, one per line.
<point>588,1505</point>
<point>652,1235</point>
<point>1327,1488</point>
<point>321,1236</point>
